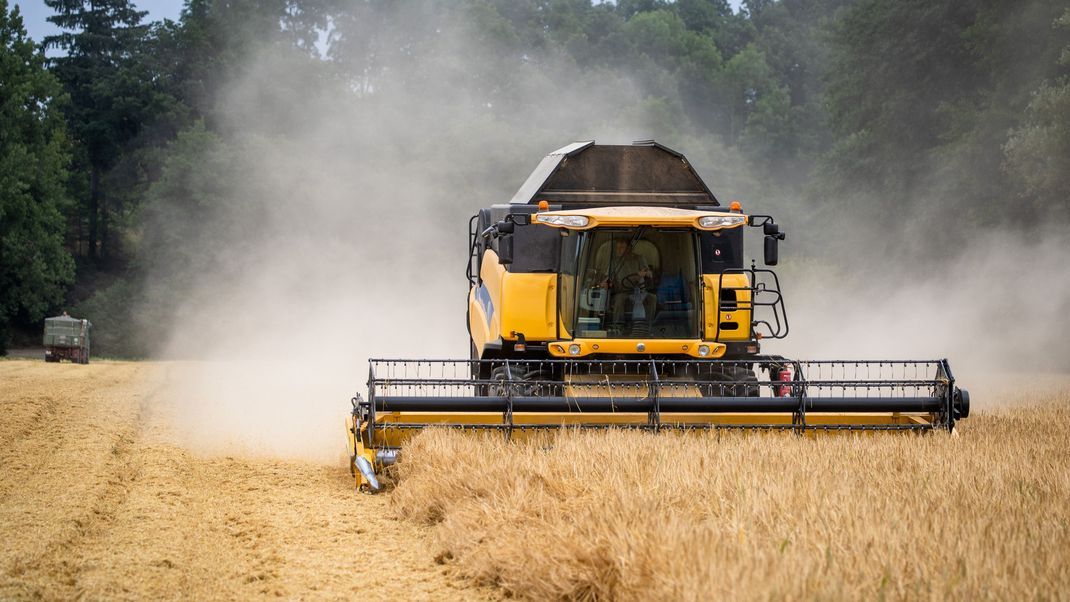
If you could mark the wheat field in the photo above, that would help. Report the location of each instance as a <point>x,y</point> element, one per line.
<point>99,500</point>
<point>983,514</point>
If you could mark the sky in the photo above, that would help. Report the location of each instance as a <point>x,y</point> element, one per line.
<point>35,14</point>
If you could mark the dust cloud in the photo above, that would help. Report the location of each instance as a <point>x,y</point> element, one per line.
<point>998,312</point>
<point>994,301</point>
<point>347,232</point>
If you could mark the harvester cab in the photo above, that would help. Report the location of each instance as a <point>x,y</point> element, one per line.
<point>612,291</point>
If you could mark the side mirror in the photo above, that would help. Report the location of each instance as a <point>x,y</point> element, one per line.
<point>505,249</point>
<point>770,229</point>
<point>772,254</point>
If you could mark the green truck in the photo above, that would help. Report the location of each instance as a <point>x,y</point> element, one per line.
<point>67,338</point>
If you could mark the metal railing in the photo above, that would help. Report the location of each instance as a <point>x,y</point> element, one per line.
<point>655,387</point>
<point>769,318</point>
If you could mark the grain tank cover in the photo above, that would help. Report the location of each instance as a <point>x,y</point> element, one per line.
<point>585,174</point>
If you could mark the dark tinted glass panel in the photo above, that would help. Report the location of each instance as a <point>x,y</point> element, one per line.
<point>536,248</point>
<point>721,250</point>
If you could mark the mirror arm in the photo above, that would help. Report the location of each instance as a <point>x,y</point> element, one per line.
<point>507,225</point>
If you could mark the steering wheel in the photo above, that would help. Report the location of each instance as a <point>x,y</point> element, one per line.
<point>633,281</point>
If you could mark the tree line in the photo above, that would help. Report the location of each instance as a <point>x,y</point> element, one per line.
<point>116,129</point>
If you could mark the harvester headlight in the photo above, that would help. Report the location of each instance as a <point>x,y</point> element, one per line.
<point>574,349</point>
<point>568,221</point>
<point>703,350</point>
<point>722,221</point>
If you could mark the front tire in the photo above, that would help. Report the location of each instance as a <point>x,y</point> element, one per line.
<point>732,381</point>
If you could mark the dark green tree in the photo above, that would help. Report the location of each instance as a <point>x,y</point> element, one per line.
<point>895,67</point>
<point>113,92</point>
<point>789,127</point>
<point>1038,152</point>
<point>184,228</point>
<point>35,269</point>
<point>923,93</point>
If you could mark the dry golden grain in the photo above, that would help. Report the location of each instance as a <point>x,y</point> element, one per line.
<point>984,514</point>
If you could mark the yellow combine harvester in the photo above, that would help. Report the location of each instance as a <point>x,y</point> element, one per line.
<point>611,292</point>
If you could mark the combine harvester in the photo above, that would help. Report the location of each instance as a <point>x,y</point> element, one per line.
<point>611,292</point>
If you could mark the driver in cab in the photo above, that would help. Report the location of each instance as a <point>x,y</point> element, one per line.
<point>628,271</point>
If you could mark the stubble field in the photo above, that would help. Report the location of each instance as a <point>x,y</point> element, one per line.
<point>98,501</point>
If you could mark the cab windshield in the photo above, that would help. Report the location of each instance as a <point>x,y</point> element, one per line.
<point>631,283</point>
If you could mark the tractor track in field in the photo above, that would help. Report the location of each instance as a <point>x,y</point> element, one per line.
<point>98,501</point>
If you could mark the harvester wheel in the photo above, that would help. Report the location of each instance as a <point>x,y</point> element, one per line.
<point>519,386</point>
<point>733,381</point>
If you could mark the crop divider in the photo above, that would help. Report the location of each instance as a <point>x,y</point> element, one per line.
<point>654,417</point>
<point>798,390</point>
<point>507,417</point>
